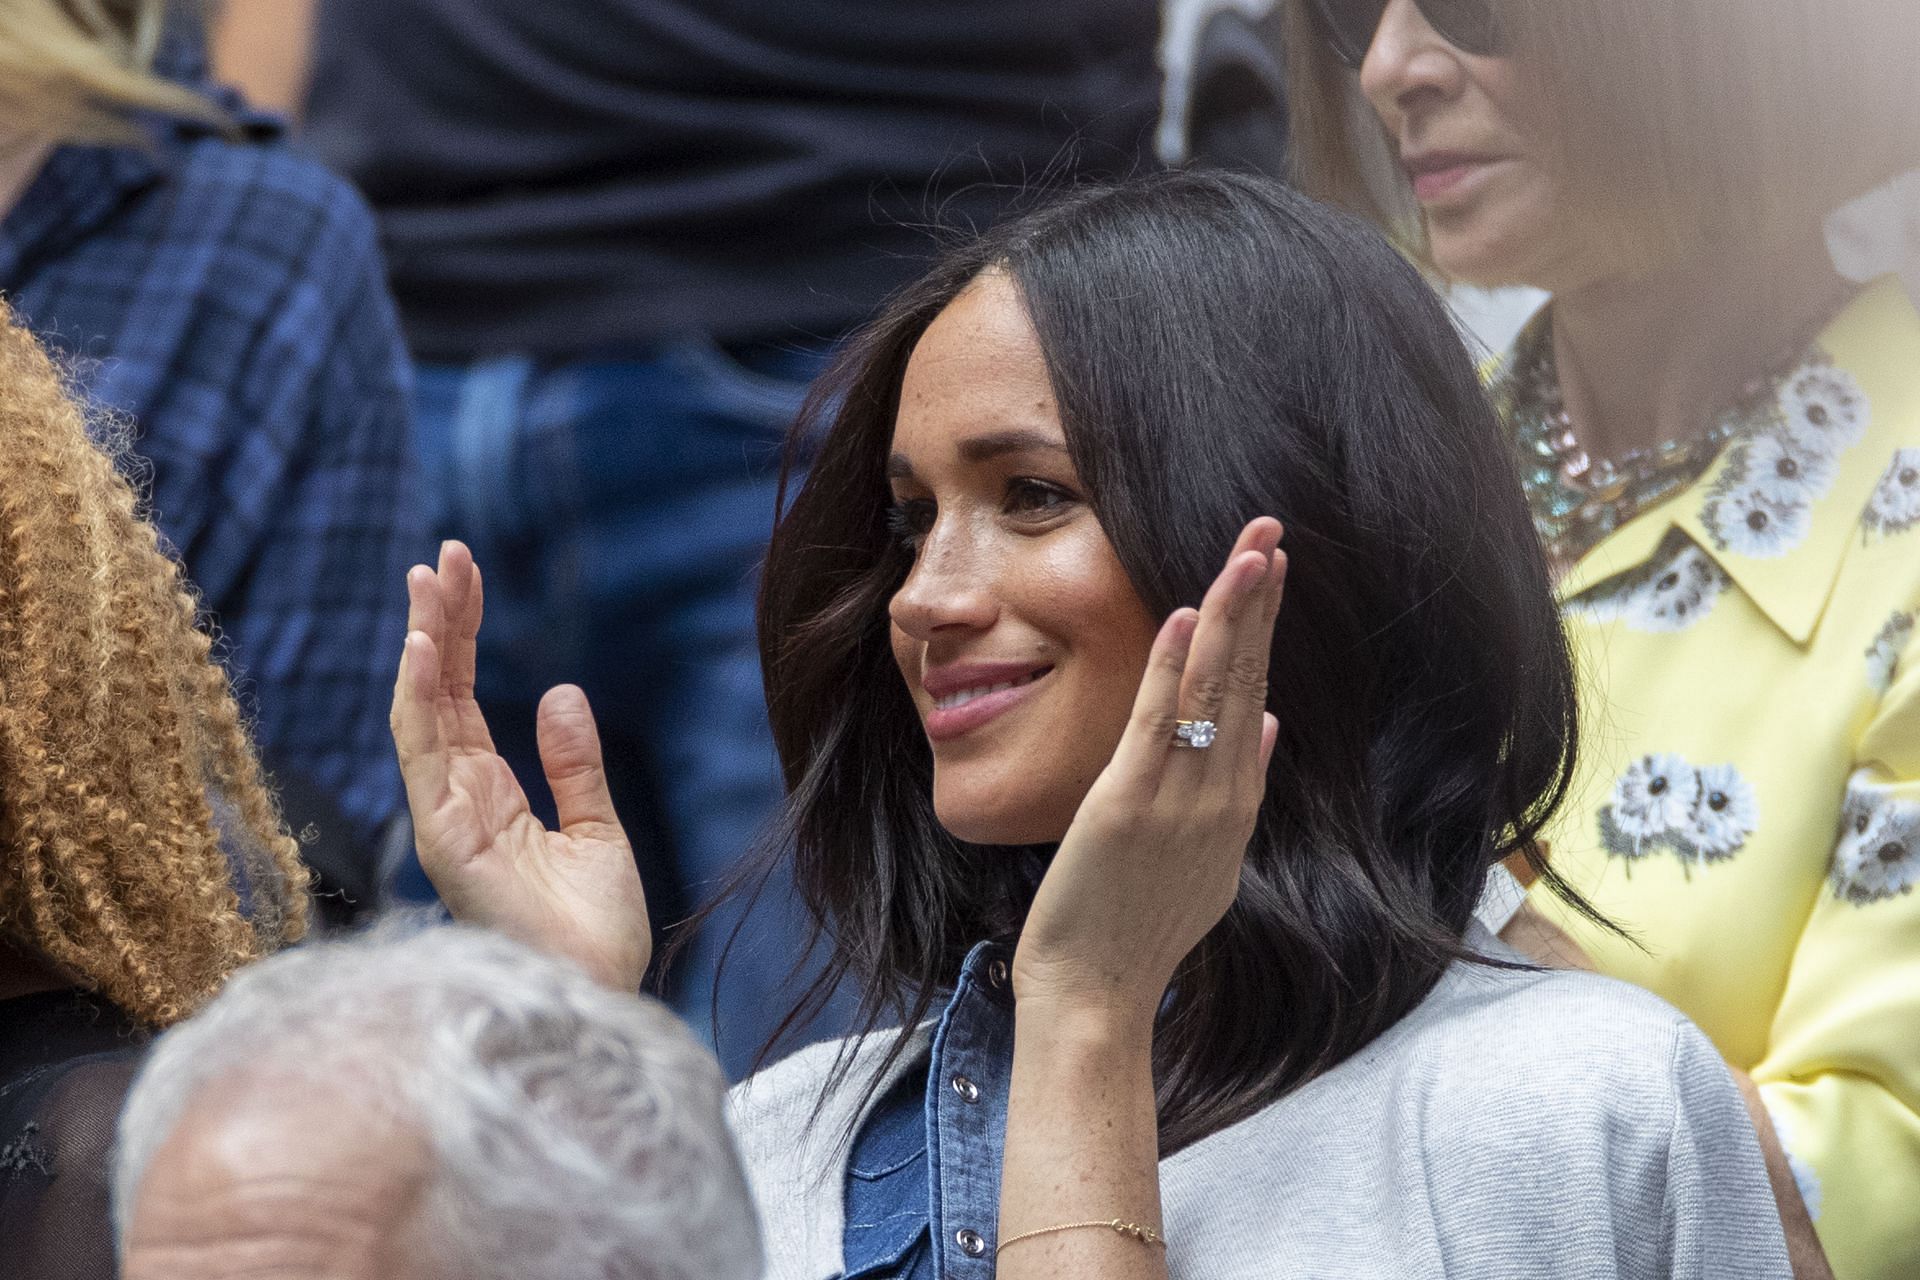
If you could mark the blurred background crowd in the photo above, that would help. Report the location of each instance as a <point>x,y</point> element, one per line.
<point>338,279</point>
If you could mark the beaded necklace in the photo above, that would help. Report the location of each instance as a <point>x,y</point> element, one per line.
<point>1577,500</point>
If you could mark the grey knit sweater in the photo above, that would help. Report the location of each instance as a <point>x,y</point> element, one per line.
<point>1514,1125</point>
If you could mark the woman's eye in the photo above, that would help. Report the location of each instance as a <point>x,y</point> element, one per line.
<point>1036,499</point>
<point>908,521</point>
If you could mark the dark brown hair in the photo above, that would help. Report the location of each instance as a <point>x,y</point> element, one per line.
<point>1220,348</point>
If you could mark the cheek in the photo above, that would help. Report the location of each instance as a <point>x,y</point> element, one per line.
<point>1524,230</point>
<point>1102,621</point>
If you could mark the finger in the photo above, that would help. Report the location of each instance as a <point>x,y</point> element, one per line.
<point>1243,723</point>
<point>1141,757</point>
<point>459,585</point>
<point>570,755</point>
<point>1203,695</point>
<point>1252,644</point>
<point>415,723</point>
<point>426,612</point>
<point>1269,735</point>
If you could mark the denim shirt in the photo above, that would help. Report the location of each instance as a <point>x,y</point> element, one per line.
<point>923,1182</point>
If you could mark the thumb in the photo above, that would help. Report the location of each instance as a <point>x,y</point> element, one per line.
<point>570,757</point>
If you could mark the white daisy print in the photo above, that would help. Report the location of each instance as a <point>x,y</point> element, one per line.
<point>1883,657</point>
<point>1652,803</point>
<point>1786,470</point>
<point>1824,408</point>
<point>1878,853</point>
<point>1678,594</point>
<point>1749,521</point>
<point>1895,505</point>
<point>1804,1178</point>
<point>1723,815</point>
<point>1601,605</point>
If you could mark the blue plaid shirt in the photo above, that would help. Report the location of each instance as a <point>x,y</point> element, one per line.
<point>227,299</point>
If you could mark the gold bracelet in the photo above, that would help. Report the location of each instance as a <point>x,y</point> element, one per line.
<point>1145,1235</point>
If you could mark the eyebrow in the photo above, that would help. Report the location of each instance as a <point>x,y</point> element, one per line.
<point>985,448</point>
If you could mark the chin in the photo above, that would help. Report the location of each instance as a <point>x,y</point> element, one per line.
<point>1476,265</point>
<point>1001,818</point>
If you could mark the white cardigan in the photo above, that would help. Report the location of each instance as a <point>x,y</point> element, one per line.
<point>1555,1125</point>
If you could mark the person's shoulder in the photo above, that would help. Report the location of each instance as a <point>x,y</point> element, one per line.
<point>1617,1069</point>
<point>1554,1029</point>
<point>266,198</point>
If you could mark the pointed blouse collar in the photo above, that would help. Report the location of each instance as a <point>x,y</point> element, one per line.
<point>1781,505</point>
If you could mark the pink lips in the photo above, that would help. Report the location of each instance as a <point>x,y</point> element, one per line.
<point>1436,175</point>
<point>946,723</point>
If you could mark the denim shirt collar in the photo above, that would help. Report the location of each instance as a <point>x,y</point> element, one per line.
<point>926,1167</point>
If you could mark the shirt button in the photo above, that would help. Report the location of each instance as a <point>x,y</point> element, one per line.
<point>971,1242</point>
<point>997,974</point>
<point>967,1089</point>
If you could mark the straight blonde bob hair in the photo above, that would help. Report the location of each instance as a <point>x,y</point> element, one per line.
<point>1679,122</point>
<point>74,70</point>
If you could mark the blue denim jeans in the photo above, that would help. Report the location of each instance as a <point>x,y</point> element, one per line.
<point>619,510</point>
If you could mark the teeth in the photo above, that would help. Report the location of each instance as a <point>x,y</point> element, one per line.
<point>965,696</point>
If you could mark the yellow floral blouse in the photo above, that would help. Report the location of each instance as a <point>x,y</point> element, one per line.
<point>1749,800</point>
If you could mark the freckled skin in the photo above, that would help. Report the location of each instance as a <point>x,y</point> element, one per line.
<point>994,581</point>
<point>282,1183</point>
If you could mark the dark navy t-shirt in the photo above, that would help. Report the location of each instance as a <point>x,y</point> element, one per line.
<point>569,176</point>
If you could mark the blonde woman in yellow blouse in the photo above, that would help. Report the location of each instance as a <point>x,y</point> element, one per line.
<point>1721,441</point>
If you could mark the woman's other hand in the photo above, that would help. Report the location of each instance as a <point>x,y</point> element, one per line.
<point>1152,860</point>
<point>575,891</point>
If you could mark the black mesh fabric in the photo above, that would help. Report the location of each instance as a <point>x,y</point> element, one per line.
<point>66,1061</point>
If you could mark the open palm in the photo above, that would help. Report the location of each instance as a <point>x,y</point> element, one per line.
<point>574,891</point>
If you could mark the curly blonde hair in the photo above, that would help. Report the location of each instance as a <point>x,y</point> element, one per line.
<point>133,814</point>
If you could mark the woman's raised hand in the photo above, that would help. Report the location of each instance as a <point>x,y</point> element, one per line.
<point>1152,860</point>
<point>574,892</point>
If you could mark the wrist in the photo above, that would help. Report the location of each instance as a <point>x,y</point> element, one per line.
<point>1082,1025</point>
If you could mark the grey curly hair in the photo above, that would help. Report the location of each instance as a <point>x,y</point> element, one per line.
<point>575,1133</point>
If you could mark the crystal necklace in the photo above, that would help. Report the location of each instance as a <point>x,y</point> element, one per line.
<point>1577,500</point>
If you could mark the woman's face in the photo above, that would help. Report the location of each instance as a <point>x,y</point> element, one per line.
<point>1018,633</point>
<point>1467,130</point>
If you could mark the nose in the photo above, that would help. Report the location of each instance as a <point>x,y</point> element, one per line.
<point>1408,65</point>
<point>950,588</point>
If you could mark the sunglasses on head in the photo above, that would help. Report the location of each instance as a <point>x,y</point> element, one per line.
<point>1349,25</point>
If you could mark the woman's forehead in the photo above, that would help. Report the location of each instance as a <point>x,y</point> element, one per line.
<point>977,376</point>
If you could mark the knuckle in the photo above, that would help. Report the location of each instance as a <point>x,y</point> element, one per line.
<point>1158,721</point>
<point>1208,693</point>
<point>1247,673</point>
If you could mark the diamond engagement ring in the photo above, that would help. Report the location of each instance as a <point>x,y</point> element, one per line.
<point>1197,734</point>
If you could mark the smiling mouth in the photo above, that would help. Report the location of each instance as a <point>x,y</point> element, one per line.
<point>954,701</point>
<point>957,714</point>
